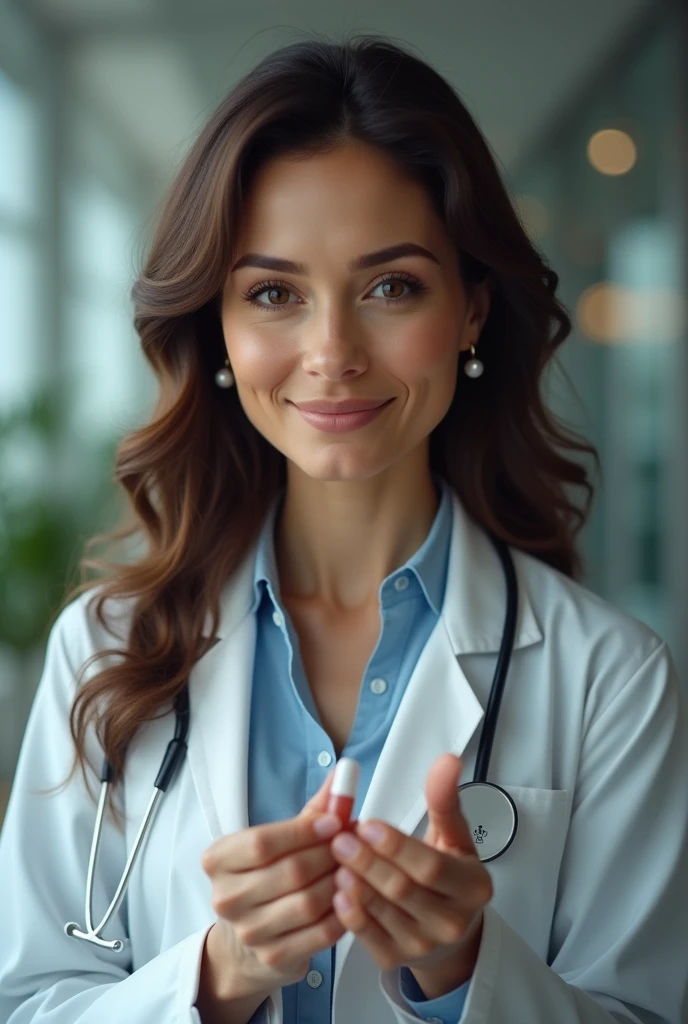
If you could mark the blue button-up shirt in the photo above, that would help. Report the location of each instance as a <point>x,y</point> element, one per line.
<point>290,753</point>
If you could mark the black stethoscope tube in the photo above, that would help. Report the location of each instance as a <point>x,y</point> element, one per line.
<point>176,748</point>
<point>482,761</point>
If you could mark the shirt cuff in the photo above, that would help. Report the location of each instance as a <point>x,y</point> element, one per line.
<point>446,1009</point>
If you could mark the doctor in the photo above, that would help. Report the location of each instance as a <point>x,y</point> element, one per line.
<point>349,359</point>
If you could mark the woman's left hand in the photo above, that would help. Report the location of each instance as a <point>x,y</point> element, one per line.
<point>417,903</point>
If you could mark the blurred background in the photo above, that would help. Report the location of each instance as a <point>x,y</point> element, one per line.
<point>585,108</point>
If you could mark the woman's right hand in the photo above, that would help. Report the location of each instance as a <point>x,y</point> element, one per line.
<point>272,888</point>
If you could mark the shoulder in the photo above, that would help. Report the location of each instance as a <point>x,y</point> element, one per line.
<point>557,599</point>
<point>585,635</point>
<point>79,632</point>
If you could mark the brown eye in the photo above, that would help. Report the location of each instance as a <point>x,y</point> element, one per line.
<point>388,291</point>
<point>397,287</point>
<point>271,289</point>
<point>273,292</point>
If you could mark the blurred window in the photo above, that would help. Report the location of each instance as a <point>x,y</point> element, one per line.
<point>19,348</point>
<point>103,358</point>
<point>609,222</point>
<point>19,164</point>
<point>19,299</point>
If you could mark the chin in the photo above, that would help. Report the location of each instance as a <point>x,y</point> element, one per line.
<point>329,466</point>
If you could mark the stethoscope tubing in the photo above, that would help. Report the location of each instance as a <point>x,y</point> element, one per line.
<point>174,755</point>
<point>482,761</point>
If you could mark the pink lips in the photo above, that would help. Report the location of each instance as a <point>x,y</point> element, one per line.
<point>343,415</point>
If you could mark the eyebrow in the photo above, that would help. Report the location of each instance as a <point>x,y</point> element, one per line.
<point>370,259</point>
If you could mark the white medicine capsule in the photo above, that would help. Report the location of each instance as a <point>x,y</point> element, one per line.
<point>346,775</point>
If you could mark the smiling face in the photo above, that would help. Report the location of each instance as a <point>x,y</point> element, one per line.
<point>345,285</point>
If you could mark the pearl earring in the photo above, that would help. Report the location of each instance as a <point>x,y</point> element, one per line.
<point>474,367</point>
<point>224,378</point>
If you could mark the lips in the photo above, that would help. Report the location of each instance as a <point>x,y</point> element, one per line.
<point>344,405</point>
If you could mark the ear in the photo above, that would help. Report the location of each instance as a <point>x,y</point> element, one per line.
<point>477,312</point>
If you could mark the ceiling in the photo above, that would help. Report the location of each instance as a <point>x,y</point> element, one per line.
<point>159,66</point>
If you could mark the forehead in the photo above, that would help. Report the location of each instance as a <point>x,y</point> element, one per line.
<point>352,198</point>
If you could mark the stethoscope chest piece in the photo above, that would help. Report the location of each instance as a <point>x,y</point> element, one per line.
<point>491,816</point>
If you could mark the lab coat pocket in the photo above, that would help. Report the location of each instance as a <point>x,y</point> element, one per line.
<point>525,877</point>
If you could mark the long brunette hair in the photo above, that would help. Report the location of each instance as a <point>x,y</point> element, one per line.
<point>199,478</point>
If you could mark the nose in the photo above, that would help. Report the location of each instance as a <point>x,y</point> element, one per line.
<point>334,350</point>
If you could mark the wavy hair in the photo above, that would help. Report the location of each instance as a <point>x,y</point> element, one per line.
<point>199,478</point>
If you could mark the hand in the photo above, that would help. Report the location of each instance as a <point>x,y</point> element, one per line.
<point>418,903</point>
<point>272,889</point>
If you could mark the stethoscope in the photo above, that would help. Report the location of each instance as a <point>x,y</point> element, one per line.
<point>488,809</point>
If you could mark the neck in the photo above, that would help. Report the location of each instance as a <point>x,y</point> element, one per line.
<point>336,541</point>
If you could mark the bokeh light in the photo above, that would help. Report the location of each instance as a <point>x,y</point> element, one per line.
<point>611,151</point>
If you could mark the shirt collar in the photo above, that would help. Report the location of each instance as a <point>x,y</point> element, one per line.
<point>428,563</point>
<point>265,567</point>
<point>473,607</point>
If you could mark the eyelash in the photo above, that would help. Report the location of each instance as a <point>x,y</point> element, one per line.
<point>415,287</point>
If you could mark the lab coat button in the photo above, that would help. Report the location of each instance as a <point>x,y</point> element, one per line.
<point>277,618</point>
<point>314,979</point>
<point>378,685</point>
<point>324,758</point>
<point>401,583</point>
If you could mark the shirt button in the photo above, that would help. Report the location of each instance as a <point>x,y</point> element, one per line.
<point>401,583</point>
<point>324,758</point>
<point>314,979</point>
<point>378,685</point>
<point>277,618</point>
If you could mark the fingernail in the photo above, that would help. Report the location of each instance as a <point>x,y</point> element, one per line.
<point>344,878</point>
<point>371,831</point>
<point>341,902</point>
<point>346,845</point>
<point>327,825</point>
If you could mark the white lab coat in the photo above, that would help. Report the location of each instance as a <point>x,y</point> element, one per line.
<point>589,919</point>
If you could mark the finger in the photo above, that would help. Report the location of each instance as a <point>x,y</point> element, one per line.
<point>376,939</point>
<point>444,808</point>
<point>297,910</point>
<point>397,933</point>
<point>423,900</point>
<point>261,845</point>
<point>402,935</point>
<point>385,854</point>
<point>318,802</point>
<point>240,892</point>
<point>423,914</point>
<point>293,946</point>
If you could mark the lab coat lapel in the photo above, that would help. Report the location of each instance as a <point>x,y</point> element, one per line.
<point>220,704</point>
<point>475,599</point>
<point>438,713</point>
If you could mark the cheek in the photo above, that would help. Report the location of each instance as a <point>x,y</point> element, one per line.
<point>425,354</point>
<point>260,362</point>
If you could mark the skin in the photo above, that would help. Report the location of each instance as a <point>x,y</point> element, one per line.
<point>357,505</point>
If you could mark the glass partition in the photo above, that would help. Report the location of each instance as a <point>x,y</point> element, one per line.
<point>602,199</point>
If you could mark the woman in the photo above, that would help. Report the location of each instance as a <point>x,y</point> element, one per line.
<point>322,491</point>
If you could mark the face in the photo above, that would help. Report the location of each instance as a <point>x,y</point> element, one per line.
<point>345,286</point>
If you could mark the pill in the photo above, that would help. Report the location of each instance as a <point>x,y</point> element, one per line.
<point>343,789</point>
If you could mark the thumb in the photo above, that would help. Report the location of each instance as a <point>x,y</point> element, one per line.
<point>446,823</point>
<point>318,802</point>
